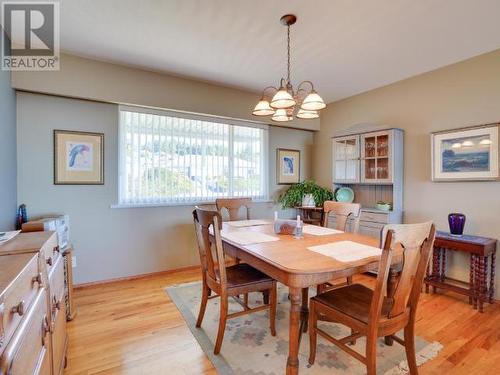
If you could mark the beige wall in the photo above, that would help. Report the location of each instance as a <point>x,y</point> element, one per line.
<point>102,81</point>
<point>463,94</point>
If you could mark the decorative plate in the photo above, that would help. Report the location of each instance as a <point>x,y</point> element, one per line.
<point>344,194</point>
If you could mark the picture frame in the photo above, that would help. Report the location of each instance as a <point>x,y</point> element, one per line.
<point>78,158</point>
<point>287,166</point>
<point>466,154</point>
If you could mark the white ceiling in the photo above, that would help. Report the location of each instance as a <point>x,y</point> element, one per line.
<point>344,46</point>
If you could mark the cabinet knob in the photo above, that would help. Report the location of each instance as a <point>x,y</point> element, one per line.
<point>19,308</point>
<point>37,279</point>
<point>56,249</point>
<point>56,304</point>
<point>45,329</point>
<point>49,261</point>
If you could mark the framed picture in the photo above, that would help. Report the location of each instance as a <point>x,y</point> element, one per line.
<point>287,166</point>
<point>469,154</point>
<point>78,158</point>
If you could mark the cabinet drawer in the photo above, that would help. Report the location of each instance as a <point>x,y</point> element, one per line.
<point>56,279</point>
<point>28,352</point>
<point>59,339</point>
<point>51,252</point>
<point>374,216</point>
<point>19,296</point>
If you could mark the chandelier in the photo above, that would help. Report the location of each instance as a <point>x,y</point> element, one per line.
<point>284,102</point>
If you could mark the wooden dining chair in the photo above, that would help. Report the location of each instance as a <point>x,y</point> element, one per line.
<point>227,281</point>
<point>343,212</point>
<point>368,312</point>
<point>233,207</point>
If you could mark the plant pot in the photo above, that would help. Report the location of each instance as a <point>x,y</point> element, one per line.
<point>308,201</point>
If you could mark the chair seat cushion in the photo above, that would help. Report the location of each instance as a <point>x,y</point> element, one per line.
<point>243,274</point>
<point>352,300</point>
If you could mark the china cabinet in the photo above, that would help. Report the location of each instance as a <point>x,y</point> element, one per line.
<point>369,160</point>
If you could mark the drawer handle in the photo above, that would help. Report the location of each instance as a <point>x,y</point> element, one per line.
<point>37,279</point>
<point>56,249</point>
<point>49,261</point>
<point>45,330</point>
<point>19,309</point>
<point>56,304</point>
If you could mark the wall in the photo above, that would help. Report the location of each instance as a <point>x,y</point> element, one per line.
<point>102,81</point>
<point>7,153</point>
<point>463,94</point>
<point>113,243</point>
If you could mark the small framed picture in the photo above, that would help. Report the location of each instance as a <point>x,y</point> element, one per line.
<point>78,158</point>
<point>287,166</point>
<point>469,154</point>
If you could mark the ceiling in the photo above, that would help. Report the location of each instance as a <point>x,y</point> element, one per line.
<point>344,46</point>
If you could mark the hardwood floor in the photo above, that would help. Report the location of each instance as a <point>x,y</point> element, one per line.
<point>132,327</point>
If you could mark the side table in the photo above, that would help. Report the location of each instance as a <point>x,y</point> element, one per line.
<point>307,214</point>
<point>480,250</point>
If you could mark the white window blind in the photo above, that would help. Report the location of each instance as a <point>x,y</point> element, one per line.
<point>181,158</point>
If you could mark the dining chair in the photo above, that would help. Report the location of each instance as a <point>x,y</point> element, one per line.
<point>227,281</point>
<point>233,207</point>
<point>368,312</point>
<point>343,212</point>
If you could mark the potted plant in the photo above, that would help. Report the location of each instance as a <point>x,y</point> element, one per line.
<point>306,193</point>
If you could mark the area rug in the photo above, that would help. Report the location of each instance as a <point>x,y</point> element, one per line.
<point>249,349</point>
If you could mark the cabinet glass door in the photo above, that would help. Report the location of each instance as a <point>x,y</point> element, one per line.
<point>376,152</point>
<point>346,159</point>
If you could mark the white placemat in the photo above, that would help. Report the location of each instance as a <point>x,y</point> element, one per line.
<point>319,231</point>
<point>346,251</point>
<point>247,237</point>
<point>247,223</point>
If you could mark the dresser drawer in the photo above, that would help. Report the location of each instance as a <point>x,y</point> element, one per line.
<point>28,352</point>
<point>59,339</point>
<point>19,295</point>
<point>51,252</point>
<point>374,217</point>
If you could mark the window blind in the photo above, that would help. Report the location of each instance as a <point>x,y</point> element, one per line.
<point>178,158</point>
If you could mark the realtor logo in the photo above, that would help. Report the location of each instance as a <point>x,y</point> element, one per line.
<point>30,37</point>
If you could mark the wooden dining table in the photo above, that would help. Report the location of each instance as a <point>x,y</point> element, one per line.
<point>289,261</point>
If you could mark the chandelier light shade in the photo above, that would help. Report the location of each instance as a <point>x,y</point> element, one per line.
<point>286,102</point>
<point>282,99</point>
<point>305,114</point>
<point>263,108</point>
<point>313,102</point>
<point>281,115</point>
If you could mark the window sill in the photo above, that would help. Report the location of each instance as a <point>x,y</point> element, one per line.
<point>190,204</point>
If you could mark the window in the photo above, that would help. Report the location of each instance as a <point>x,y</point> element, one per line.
<point>181,158</point>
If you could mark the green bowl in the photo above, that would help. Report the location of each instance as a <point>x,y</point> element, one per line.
<point>384,206</point>
<point>344,194</point>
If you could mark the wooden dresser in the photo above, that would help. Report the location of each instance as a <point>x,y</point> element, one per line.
<point>33,338</point>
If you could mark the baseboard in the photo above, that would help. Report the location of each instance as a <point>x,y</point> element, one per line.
<point>135,277</point>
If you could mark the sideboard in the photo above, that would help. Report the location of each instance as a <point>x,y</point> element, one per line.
<point>33,337</point>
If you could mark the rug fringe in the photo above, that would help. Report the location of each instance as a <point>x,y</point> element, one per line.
<point>429,352</point>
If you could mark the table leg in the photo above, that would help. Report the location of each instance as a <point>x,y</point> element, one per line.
<point>435,266</point>
<point>304,311</point>
<point>482,283</point>
<point>443,264</point>
<point>476,280</point>
<point>492,276</point>
<point>292,364</point>
<point>391,289</point>
<point>471,278</point>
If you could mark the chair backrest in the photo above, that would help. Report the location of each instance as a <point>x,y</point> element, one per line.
<point>203,220</point>
<point>416,241</point>
<point>343,211</point>
<point>233,206</point>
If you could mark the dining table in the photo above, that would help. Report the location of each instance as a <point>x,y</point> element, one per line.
<point>290,260</point>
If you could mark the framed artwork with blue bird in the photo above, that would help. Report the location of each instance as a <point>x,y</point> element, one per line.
<point>78,158</point>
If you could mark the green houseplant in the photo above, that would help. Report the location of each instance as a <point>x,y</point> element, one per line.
<point>295,193</point>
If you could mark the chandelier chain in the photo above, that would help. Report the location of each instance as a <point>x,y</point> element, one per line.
<point>288,54</point>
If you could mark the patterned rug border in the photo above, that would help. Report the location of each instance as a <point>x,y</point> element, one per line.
<point>222,366</point>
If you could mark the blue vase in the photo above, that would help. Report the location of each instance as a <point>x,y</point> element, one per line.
<point>457,223</point>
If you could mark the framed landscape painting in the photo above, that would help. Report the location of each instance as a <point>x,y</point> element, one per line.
<point>288,166</point>
<point>466,154</point>
<point>78,158</point>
